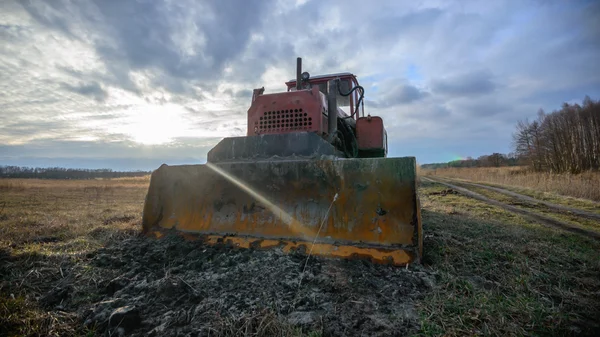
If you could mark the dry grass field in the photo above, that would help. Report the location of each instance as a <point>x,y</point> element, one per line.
<point>585,185</point>
<point>46,229</point>
<point>70,250</point>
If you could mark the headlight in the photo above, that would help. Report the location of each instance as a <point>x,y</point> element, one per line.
<point>305,76</point>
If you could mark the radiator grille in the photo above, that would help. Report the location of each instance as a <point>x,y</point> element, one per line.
<point>280,120</point>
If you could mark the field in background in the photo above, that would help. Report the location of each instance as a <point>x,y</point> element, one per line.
<point>485,271</point>
<point>585,185</point>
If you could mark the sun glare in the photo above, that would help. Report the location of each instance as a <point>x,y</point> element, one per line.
<point>156,124</point>
<point>151,124</point>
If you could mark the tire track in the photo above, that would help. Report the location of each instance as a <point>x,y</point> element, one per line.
<point>544,220</point>
<point>530,200</point>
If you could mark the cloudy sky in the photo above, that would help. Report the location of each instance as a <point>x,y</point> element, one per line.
<point>132,84</point>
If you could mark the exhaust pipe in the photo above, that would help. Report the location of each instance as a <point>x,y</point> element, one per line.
<point>332,89</point>
<point>299,73</point>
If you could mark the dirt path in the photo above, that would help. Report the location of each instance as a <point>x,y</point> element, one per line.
<point>533,216</point>
<point>529,199</point>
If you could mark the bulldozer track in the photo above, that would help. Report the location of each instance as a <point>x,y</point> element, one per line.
<point>544,220</point>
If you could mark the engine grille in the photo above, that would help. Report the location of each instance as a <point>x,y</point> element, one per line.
<point>284,120</point>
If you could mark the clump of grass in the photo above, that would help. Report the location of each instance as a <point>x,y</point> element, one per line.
<point>3,215</point>
<point>261,323</point>
<point>10,185</point>
<point>19,317</point>
<point>585,185</point>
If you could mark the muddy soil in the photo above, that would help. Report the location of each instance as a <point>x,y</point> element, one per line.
<point>172,287</point>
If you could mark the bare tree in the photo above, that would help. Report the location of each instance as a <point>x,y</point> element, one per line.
<point>566,140</point>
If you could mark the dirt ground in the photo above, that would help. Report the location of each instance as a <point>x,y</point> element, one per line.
<point>172,287</point>
<point>73,263</point>
<point>186,288</point>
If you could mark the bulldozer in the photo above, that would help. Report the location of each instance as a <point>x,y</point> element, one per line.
<point>311,175</point>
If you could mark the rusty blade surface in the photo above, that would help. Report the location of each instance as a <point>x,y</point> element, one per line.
<point>377,206</point>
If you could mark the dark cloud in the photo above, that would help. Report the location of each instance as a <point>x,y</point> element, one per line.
<point>12,32</point>
<point>113,78</point>
<point>143,34</point>
<point>391,27</point>
<point>192,110</point>
<point>265,53</point>
<point>50,14</point>
<point>105,116</point>
<point>245,93</point>
<point>405,94</point>
<point>19,128</point>
<point>399,94</point>
<point>482,107</point>
<point>434,112</point>
<point>465,84</point>
<point>91,89</point>
<point>172,40</point>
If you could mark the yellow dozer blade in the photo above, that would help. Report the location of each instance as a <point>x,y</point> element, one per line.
<point>290,204</point>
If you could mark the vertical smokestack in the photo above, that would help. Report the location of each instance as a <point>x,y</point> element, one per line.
<point>299,73</point>
<point>332,90</point>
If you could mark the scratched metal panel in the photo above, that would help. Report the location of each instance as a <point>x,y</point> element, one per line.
<point>376,202</point>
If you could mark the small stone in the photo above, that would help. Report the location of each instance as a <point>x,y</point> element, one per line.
<point>116,285</point>
<point>127,317</point>
<point>427,282</point>
<point>301,317</point>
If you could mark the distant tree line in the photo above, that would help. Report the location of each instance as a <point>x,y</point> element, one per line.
<point>563,141</point>
<point>492,160</point>
<point>64,173</point>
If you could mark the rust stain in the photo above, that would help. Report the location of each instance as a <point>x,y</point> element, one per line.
<point>184,198</point>
<point>398,257</point>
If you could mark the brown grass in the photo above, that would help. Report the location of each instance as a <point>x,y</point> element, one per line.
<point>585,185</point>
<point>65,209</point>
<point>46,229</point>
<point>20,184</point>
<point>9,185</point>
<point>500,274</point>
<point>260,324</point>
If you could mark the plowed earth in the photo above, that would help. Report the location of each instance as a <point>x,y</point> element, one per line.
<point>187,288</point>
